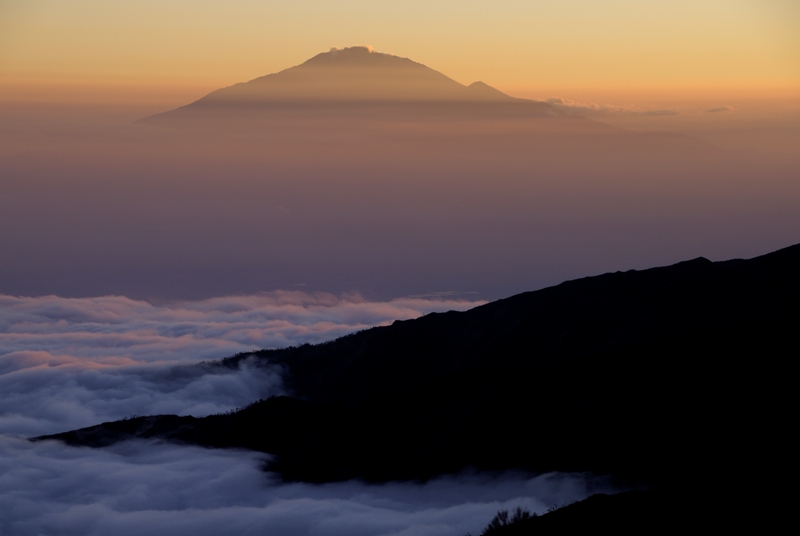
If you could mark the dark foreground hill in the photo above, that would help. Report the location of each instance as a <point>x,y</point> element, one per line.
<point>632,512</point>
<point>679,377</point>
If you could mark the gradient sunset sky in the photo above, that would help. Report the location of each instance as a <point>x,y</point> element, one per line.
<point>174,49</point>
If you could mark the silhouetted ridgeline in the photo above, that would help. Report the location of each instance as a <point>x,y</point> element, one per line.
<point>631,512</point>
<point>678,377</point>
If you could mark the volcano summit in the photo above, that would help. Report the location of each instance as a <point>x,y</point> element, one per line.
<point>355,76</point>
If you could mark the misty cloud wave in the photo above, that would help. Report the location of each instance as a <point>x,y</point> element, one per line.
<point>48,399</point>
<point>67,363</point>
<point>147,488</point>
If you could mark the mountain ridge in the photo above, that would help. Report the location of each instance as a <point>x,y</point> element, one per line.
<point>604,374</point>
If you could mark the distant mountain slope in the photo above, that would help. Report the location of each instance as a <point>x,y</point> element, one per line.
<point>661,376</point>
<point>353,76</point>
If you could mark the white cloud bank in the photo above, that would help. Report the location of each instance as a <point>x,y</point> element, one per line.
<point>115,330</point>
<point>66,363</point>
<point>71,362</point>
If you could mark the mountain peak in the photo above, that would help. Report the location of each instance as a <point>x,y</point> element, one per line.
<point>351,76</point>
<point>486,92</point>
<point>360,56</point>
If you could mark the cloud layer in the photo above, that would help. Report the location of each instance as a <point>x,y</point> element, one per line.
<point>66,363</point>
<point>115,330</point>
<point>145,488</point>
<point>69,363</point>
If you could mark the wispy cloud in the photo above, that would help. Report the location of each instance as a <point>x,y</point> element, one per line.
<point>569,107</point>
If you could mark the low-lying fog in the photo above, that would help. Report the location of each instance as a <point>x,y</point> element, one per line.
<point>66,363</point>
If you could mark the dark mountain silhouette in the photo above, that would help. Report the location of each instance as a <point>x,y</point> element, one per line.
<point>631,512</point>
<point>677,377</point>
<point>355,77</point>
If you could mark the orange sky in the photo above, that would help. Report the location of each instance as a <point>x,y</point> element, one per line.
<point>174,50</point>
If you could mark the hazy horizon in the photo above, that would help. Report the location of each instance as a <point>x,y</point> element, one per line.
<point>483,198</point>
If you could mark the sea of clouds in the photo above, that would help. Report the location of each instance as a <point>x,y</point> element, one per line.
<point>66,363</point>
